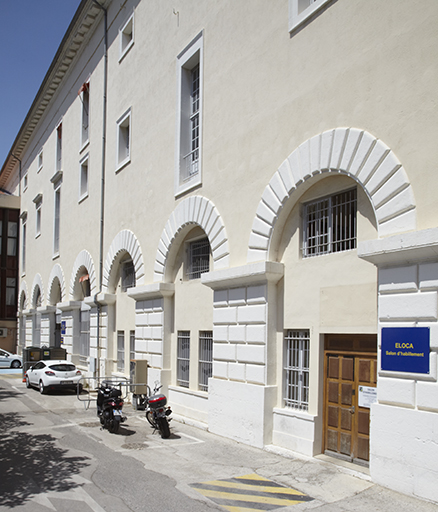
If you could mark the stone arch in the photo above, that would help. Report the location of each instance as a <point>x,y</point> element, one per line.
<point>37,285</point>
<point>196,210</point>
<point>349,151</point>
<point>83,259</point>
<point>124,241</point>
<point>56,275</point>
<point>22,297</point>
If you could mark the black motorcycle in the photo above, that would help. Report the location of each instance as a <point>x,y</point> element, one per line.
<point>157,413</point>
<point>109,407</point>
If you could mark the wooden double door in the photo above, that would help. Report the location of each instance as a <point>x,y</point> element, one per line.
<point>350,380</point>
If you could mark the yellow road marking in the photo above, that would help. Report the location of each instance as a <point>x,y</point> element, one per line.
<point>248,498</point>
<point>249,487</point>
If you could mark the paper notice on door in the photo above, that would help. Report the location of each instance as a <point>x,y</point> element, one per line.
<point>367,396</point>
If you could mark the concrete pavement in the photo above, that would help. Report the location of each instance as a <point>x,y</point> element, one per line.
<point>54,456</point>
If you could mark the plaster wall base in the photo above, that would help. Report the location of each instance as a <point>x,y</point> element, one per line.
<point>294,431</point>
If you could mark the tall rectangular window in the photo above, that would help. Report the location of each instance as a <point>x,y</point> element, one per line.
<point>9,259</point>
<point>189,138</point>
<point>199,258</point>
<point>296,369</point>
<point>38,200</point>
<point>85,98</point>
<point>83,178</point>
<point>123,140</point>
<point>23,241</point>
<point>84,345</point>
<point>120,351</point>
<point>127,275</point>
<point>57,219</point>
<point>59,147</point>
<point>126,37</point>
<point>183,359</point>
<point>132,345</point>
<point>330,224</point>
<point>205,358</point>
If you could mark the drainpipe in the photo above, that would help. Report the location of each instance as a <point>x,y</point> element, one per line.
<point>102,188</point>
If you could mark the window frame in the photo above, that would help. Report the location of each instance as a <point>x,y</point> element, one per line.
<point>191,274</point>
<point>38,200</point>
<point>57,215</point>
<point>23,217</point>
<point>187,61</point>
<point>83,162</point>
<point>124,123</point>
<point>124,44</point>
<point>84,336</point>
<point>183,357</point>
<point>58,152</point>
<point>296,18</point>
<point>126,283</point>
<point>120,351</point>
<point>296,377</point>
<point>205,360</point>
<point>85,114</point>
<point>40,160</point>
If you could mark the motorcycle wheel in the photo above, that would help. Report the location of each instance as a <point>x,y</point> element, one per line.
<point>114,426</point>
<point>150,418</point>
<point>163,426</point>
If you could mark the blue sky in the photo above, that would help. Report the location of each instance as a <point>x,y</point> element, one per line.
<point>31,31</point>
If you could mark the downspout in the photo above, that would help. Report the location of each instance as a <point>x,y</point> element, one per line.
<point>102,188</point>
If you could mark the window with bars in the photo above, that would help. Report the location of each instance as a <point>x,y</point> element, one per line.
<point>296,369</point>
<point>57,220</point>
<point>132,345</point>
<point>330,224</point>
<point>199,258</point>
<point>127,275</point>
<point>183,359</point>
<point>205,358</point>
<point>84,344</point>
<point>120,351</point>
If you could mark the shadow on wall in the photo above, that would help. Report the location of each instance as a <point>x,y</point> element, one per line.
<point>31,464</point>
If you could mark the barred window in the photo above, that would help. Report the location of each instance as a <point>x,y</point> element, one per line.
<point>120,351</point>
<point>205,358</point>
<point>127,275</point>
<point>84,345</point>
<point>199,258</point>
<point>330,224</point>
<point>183,359</point>
<point>296,369</point>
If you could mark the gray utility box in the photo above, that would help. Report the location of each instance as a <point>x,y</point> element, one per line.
<point>139,375</point>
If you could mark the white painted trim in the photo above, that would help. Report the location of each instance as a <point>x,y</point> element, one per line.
<point>296,19</point>
<point>121,163</point>
<point>124,48</point>
<point>348,151</point>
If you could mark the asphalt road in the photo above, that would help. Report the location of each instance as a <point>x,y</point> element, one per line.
<point>54,456</point>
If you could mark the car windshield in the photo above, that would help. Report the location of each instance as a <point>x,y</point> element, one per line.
<point>63,367</point>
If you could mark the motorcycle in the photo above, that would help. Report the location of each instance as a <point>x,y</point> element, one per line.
<point>157,413</point>
<point>109,407</point>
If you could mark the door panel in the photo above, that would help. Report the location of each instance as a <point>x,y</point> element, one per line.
<point>346,428</point>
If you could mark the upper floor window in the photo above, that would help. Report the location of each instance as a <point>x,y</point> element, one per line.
<point>38,200</point>
<point>301,10</point>
<point>124,140</point>
<point>57,217</point>
<point>189,136</point>
<point>40,161</point>
<point>84,92</point>
<point>83,178</point>
<point>59,147</point>
<point>330,224</point>
<point>126,36</point>
<point>198,258</point>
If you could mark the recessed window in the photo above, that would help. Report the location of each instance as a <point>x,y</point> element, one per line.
<point>189,138</point>
<point>85,99</point>
<point>40,161</point>
<point>57,218</point>
<point>126,36</point>
<point>301,10</point>
<point>183,359</point>
<point>84,342</point>
<point>120,351</point>
<point>83,178</point>
<point>198,258</point>
<point>205,358</point>
<point>127,275</point>
<point>296,369</point>
<point>25,182</point>
<point>38,200</point>
<point>59,147</point>
<point>124,140</point>
<point>23,217</point>
<point>330,224</point>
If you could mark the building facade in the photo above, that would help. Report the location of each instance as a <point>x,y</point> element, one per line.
<point>242,194</point>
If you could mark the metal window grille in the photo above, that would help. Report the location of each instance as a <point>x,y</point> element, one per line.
<point>183,359</point>
<point>84,345</point>
<point>120,351</point>
<point>296,369</point>
<point>192,159</point>
<point>199,258</point>
<point>132,345</point>
<point>56,230</point>
<point>330,224</point>
<point>205,358</point>
<point>128,275</point>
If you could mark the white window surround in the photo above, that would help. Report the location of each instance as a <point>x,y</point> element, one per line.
<point>126,37</point>
<point>123,150</point>
<point>187,60</point>
<point>23,218</point>
<point>38,200</point>
<point>58,163</point>
<point>83,177</point>
<point>301,10</point>
<point>25,181</point>
<point>57,181</point>
<point>40,161</point>
<point>85,114</point>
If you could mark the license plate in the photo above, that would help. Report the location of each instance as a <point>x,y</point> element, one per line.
<point>117,412</point>
<point>66,382</point>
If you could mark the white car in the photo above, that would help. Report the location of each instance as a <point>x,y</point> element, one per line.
<point>8,360</point>
<point>53,374</point>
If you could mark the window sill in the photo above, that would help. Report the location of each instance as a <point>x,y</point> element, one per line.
<point>84,145</point>
<point>123,164</point>
<point>296,20</point>
<point>37,235</point>
<point>82,198</point>
<point>125,51</point>
<point>189,184</point>
<point>55,256</point>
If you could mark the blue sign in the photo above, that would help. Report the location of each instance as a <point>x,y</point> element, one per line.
<point>405,349</point>
<point>63,327</point>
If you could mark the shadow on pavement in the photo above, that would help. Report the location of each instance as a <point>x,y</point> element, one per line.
<point>32,463</point>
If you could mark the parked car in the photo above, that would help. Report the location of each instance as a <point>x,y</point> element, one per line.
<point>53,374</point>
<point>8,360</point>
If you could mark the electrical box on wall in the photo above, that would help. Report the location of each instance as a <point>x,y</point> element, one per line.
<point>92,364</point>
<point>3,332</point>
<point>139,375</point>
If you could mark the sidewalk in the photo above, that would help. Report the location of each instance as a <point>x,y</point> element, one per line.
<point>203,466</point>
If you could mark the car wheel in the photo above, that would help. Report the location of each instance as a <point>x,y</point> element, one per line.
<point>15,364</point>
<point>42,388</point>
<point>27,382</point>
